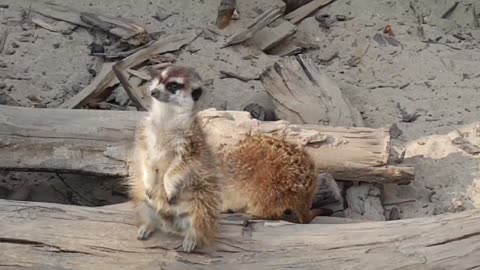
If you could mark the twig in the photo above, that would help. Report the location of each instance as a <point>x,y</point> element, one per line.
<point>401,202</point>
<point>73,190</point>
<point>3,39</point>
<point>449,11</point>
<point>228,74</point>
<point>441,43</point>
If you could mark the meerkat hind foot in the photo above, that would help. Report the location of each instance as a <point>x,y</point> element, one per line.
<point>145,231</point>
<point>189,243</point>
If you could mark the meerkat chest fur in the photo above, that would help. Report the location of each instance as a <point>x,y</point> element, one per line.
<point>167,130</point>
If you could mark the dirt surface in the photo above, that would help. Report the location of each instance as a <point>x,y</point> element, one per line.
<point>424,79</point>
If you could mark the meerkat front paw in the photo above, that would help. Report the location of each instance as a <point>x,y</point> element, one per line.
<point>189,243</point>
<point>145,232</point>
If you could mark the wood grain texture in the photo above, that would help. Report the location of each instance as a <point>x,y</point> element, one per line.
<point>260,22</point>
<point>52,236</point>
<point>98,142</point>
<point>303,94</point>
<point>269,37</point>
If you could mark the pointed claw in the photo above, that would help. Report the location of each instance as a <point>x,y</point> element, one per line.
<point>189,243</point>
<point>144,232</point>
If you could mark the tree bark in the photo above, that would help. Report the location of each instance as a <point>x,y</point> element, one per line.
<point>53,236</point>
<point>98,142</point>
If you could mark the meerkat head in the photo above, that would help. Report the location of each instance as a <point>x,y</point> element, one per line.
<point>177,86</point>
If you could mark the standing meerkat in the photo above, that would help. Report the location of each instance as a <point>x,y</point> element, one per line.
<point>173,186</point>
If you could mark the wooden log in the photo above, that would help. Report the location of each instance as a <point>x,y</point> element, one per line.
<point>97,142</point>
<point>225,13</point>
<point>53,236</point>
<point>166,44</point>
<point>303,94</point>
<point>304,11</point>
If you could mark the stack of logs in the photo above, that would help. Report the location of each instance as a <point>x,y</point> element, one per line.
<point>314,114</point>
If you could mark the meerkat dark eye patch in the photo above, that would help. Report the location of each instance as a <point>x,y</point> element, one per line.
<point>196,93</point>
<point>173,87</point>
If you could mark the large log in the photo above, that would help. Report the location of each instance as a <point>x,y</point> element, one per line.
<point>98,142</point>
<point>52,236</point>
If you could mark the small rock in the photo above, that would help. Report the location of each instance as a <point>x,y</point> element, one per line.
<point>341,18</point>
<point>15,45</point>
<point>96,48</point>
<point>56,45</point>
<point>209,35</point>
<point>394,214</point>
<point>395,131</point>
<point>162,14</point>
<point>3,85</point>
<point>4,6</point>
<point>10,51</point>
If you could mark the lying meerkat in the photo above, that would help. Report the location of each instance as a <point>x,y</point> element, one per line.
<point>265,177</point>
<point>174,186</point>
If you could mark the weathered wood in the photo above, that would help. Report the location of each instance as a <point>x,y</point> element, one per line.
<point>102,81</point>
<point>125,29</point>
<point>301,93</point>
<point>364,203</point>
<point>96,141</point>
<point>302,12</point>
<point>261,22</point>
<point>291,5</point>
<point>53,236</point>
<point>225,13</point>
<point>136,96</point>
<point>166,44</point>
<point>3,39</point>
<point>269,37</point>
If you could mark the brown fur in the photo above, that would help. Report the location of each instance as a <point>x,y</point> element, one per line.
<point>266,176</point>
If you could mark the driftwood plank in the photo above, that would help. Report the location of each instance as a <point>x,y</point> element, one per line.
<point>125,29</point>
<point>260,22</point>
<point>301,93</point>
<point>163,45</point>
<point>269,37</point>
<point>96,141</point>
<point>53,236</point>
<point>302,12</point>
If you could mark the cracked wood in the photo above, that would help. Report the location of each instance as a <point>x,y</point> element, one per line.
<point>52,236</point>
<point>98,142</point>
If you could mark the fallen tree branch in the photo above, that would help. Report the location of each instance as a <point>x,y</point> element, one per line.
<point>97,142</point>
<point>54,236</point>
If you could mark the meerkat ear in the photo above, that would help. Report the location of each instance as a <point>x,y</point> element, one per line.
<point>196,93</point>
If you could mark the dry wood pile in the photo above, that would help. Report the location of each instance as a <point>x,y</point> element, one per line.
<point>308,107</point>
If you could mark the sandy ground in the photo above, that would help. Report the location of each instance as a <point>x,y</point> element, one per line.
<point>432,72</point>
